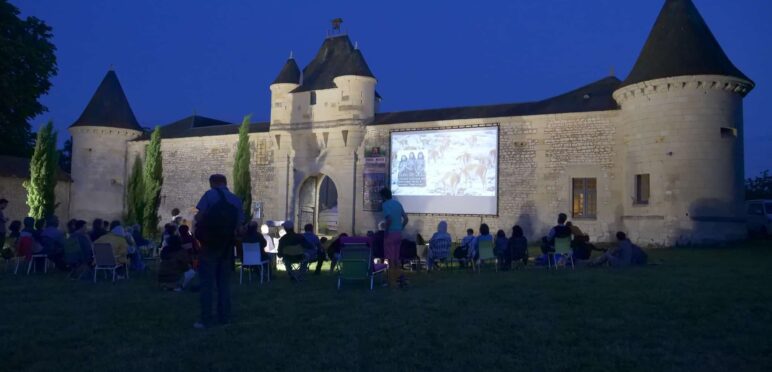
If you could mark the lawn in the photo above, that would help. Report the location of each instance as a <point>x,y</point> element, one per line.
<point>704,309</point>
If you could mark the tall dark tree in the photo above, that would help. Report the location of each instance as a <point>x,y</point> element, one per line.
<point>759,187</point>
<point>242,181</point>
<point>135,194</point>
<point>41,198</point>
<point>27,63</point>
<point>153,180</point>
<point>65,156</point>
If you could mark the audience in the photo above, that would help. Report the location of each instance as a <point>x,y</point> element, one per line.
<point>14,230</point>
<point>333,251</point>
<point>501,250</point>
<point>79,254</point>
<point>620,256</point>
<point>485,235</point>
<point>52,240</point>
<point>317,252</point>
<point>117,240</point>
<point>518,245</point>
<point>174,260</point>
<point>254,236</point>
<point>292,239</point>
<point>439,245</point>
<point>97,230</point>
<point>462,251</point>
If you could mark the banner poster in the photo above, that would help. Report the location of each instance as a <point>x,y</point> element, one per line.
<point>374,180</point>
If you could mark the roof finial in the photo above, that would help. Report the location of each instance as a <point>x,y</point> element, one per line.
<point>356,45</point>
<point>291,55</point>
<point>112,67</point>
<point>336,25</point>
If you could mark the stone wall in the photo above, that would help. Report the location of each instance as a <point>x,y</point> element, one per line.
<point>12,188</point>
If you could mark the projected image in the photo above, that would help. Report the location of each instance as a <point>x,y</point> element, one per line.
<point>429,166</point>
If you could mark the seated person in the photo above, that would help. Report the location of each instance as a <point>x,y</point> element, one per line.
<point>439,245</point>
<point>117,240</point>
<point>333,251</point>
<point>317,252</point>
<point>14,231</point>
<point>254,236</point>
<point>580,242</point>
<point>518,245</point>
<point>175,261</point>
<point>485,235</point>
<point>78,249</point>
<point>52,240</point>
<point>136,234</point>
<point>501,250</point>
<point>462,251</point>
<point>289,239</point>
<point>620,256</point>
<point>97,230</point>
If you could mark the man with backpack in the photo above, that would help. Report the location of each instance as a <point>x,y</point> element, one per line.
<point>219,215</point>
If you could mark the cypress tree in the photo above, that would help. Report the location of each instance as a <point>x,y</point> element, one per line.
<point>242,181</point>
<point>135,196</point>
<point>41,197</point>
<point>153,179</point>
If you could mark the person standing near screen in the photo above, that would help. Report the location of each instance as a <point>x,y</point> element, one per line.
<point>396,220</point>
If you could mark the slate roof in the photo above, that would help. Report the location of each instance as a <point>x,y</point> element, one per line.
<point>681,44</point>
<point>12,166</point>
<point>108,107</point>
<point>593,97</point>
<point>336,57</point>
<point>289,74</point>
<point>200,126</point>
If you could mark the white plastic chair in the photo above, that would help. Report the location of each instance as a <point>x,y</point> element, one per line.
<point>105,260</point>
<point>31,267</point>
<point>251,257</point>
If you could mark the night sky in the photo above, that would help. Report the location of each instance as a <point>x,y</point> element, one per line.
<point>217,58</point>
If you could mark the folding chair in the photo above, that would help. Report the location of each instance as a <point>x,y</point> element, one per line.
<point>485,251</point>
<point>252,258</point>
<point>356,263</point>
<point>31,267</point>
<point>105,260</point>
<point>562,248</point>
<point>440,250</point>
<point>295,256</point>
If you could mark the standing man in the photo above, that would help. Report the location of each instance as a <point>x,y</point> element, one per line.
<point>219,216</point>
<point>396,220</point>
<point>3,221</point>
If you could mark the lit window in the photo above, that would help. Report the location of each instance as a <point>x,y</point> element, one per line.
<point>641,189</point>
<point>313,98</point>
<point>584,198</point>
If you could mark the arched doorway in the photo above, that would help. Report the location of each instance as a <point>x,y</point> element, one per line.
<point>318,205</point>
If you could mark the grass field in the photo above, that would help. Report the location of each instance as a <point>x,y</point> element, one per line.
<point>704,309</point>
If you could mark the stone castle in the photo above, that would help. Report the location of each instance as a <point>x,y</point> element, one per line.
<point>659,155</point>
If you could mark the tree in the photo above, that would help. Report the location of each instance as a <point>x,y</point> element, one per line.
<point>135,198</point>
<point>65,156</point>
<point>153,180</point>
<point>759,187</point>
<point>41,197</point>
<point>27,63</point>
<point>242,181</point>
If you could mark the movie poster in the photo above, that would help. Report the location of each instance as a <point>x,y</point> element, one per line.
<point>374,179</point>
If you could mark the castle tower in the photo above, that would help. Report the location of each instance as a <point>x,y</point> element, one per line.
<point>281,101</point>
<point>99,142</point>
<point>682,130</point>
<point>357,87</point>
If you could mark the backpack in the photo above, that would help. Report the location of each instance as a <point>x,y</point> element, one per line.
<point>218,223</point>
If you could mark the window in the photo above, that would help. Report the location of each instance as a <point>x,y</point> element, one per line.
<point>728,132</point>
<point>641,189</point>
<point>312,98</point>
<point>584,198</point>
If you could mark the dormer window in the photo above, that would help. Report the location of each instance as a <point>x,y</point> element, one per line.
<point>312,98</point>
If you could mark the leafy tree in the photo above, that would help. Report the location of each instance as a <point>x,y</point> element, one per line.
<point>242,182</point>
<point>27,63</point>
<point>65,156</point>
<point>41,197</point>
<point>135,198</point>
<point>153,179</point>
<point>759,187</point>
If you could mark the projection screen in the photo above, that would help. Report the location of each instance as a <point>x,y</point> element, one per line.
<point>446,171</point>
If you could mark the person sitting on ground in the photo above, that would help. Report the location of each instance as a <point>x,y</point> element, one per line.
<point>97,230</point>
<point>52,240</point>
<point>439,245</point>
<point>174,260</point>
<point>117,240</point>
<point>518,245</point>
<point>317,253</point>
<point>485,235</point>
<point>293,239</point>
<point>461,253</point>
<point>620,256</point>
<point>333,251</point>
<point>501,250</point>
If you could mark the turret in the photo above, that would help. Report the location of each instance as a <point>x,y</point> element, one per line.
<point>357,87</point>
<point>281,101</point>
<point>682,124</point>
<point>99,142</point>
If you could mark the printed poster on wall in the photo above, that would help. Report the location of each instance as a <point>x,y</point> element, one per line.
<point>374,179</point>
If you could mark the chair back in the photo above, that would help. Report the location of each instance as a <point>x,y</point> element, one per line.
<point>440,248</point>
<point>355,261</point>
<point>251,254</point>
<point>485,250</point>
<point>103,255</point>
<point>293,252</point>
<point>563,245</point>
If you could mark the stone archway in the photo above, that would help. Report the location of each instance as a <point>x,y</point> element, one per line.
<point>318,205</point>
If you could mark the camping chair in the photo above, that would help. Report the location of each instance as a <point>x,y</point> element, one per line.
<point>295,256</point>
<point>440,250</point>
<point>562,248</point>
<point>252,258</point>
<point>485,251</point>
<point>105,260</point>
<point>356,264</point>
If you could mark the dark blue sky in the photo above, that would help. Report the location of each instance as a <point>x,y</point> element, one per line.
<point>218,57</point>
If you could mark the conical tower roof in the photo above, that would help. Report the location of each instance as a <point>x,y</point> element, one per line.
<point>681,44</point>
<point>289,74</point>
<point>336,57</point>
<point>356,65</point>
<point>108,107</point>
